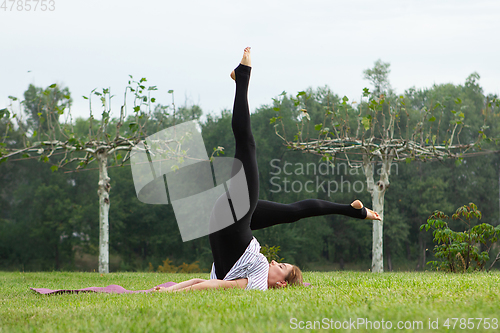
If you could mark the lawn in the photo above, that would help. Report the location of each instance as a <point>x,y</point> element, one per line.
<point>336,298</point>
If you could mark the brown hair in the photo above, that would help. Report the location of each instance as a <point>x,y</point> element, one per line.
<point>294,278</point>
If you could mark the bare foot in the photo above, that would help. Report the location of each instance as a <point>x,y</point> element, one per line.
<point>244,61</point>
<point>246,57</point>
<point>370,214</point>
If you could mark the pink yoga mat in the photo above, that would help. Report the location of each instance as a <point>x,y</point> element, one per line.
<point>111,289</point>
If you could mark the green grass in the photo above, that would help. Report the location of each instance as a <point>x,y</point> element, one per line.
<point>335,295</point>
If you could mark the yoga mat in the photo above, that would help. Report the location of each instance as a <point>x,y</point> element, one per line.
<point>111,289</point>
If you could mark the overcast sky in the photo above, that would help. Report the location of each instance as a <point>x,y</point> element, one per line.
<point>192,46</point>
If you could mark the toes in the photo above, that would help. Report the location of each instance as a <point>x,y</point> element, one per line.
<point>372,215</point>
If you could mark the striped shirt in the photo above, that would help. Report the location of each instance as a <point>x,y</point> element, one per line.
<point>252,265</point>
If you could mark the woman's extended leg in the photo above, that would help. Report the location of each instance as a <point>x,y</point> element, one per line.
<point>269,213</point>
<point>230,243</point>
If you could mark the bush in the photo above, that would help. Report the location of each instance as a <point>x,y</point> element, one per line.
<point>271,253</point>
<point>459,251</point>
<point>167,267</point>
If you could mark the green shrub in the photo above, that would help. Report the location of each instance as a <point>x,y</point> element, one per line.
<point>167,267</point>
<point>460,251</point>
<point>271,253</point>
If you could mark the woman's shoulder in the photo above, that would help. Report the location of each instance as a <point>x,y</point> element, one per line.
<point>253,246</point>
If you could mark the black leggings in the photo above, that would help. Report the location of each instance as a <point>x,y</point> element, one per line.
<point>230,243</point>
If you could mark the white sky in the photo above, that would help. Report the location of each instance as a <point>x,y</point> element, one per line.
<point>192,46</point>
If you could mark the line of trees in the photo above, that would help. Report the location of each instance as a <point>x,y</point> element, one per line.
<point>383,128</point>
<point>49,219</point>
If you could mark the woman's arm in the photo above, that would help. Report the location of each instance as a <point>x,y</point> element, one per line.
<point>215,284</point>
<point>180,285</point>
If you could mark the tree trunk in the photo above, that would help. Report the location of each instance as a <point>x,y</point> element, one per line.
<point>420,251</point>
<point>378,231</point>
<point>326,249</point>
<point>424,256</point>
<point>377,192</point>
<point>57,256</point>
<point>389,260</point>
<point>103,192</point>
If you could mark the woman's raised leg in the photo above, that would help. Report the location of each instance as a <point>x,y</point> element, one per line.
<point>230,243</point>
<point>269,213</point>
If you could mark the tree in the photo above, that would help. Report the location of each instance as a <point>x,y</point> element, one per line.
<point>40,103</point>
<point>108,139</point>
<point>383,128</point>
<point>378,76</point>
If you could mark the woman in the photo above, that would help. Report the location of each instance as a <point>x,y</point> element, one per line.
<point>238,262</point>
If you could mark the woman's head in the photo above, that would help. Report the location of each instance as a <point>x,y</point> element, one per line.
<point>294,278</point>
<point>283,274</point>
